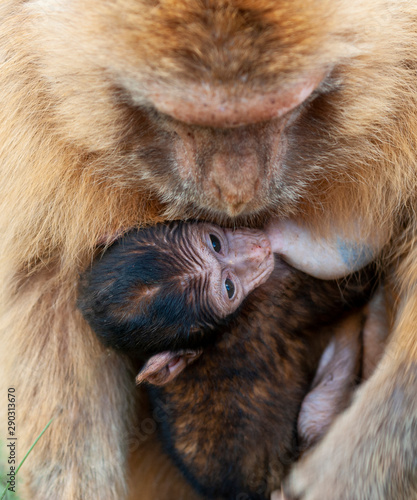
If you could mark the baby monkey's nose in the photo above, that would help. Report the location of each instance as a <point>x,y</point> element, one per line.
<point>261,248</point>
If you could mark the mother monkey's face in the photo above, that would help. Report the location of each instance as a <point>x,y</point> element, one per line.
<point>225,109</point>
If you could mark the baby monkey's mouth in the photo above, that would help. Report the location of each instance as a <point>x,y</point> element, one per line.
<point>263,259</point>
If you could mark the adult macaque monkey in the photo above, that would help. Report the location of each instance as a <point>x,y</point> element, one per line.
<point>169,294</point>
<point>118,113</point>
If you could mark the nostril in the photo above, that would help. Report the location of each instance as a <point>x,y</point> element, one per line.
<point>232,193</point>
<point>238,207</point>
<point>232,197</point>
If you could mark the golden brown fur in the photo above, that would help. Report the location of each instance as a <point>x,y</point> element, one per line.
<point>84,155</point>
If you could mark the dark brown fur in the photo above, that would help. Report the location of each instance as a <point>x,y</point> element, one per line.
<point>230,420</point>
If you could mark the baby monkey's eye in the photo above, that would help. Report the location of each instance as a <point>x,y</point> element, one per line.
<point>230,288</point>
<point>215,243</point>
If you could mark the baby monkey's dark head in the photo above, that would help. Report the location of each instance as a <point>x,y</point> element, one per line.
<point>166,287</point>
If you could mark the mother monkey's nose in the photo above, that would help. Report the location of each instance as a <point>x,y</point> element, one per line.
<point>232,179</point>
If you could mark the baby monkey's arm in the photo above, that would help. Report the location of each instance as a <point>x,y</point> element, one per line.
<point>351,356</point>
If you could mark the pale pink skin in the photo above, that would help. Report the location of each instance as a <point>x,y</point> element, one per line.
<point>322,258</point>
<point>211,107</point>
<point>164,367</point>
<point>245,257</point>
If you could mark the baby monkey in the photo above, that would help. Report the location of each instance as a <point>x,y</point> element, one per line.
<point>252,330</point>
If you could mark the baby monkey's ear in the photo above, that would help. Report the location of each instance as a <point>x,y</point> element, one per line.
<point>163,367</point>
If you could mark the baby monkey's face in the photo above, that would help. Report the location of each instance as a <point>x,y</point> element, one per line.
<point>229,265</point>
<point>233,263</point>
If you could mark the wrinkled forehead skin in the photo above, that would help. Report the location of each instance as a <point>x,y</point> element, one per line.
<point>190,267</point>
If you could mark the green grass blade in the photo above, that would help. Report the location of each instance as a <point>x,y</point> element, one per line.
<point>25,457</point>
